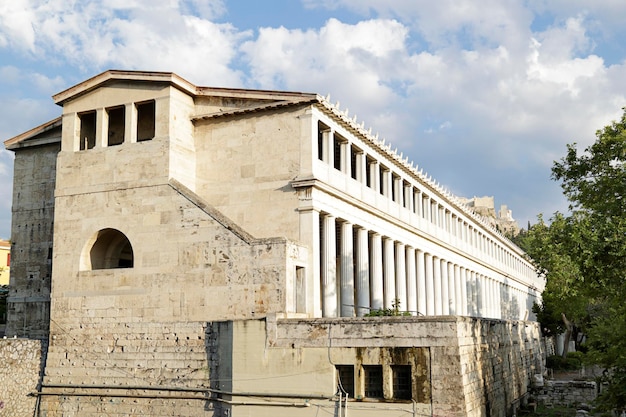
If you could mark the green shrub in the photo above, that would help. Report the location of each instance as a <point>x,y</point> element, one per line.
<point>572,362</point>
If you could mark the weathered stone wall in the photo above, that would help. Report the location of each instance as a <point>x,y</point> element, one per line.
<point>498,361</point>
<point>477,367</point>
<point>28,302</point>
<point>566,393</point>
<point>22,361</point>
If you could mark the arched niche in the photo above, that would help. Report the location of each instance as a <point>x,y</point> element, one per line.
<point>107,249</point>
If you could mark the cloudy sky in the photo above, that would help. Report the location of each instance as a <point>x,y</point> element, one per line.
<point>483,95</point>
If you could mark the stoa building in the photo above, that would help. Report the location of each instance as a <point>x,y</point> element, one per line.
<point>206,251</point>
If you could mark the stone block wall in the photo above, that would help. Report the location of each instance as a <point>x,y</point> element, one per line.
<point>566,393</point>
<point>122,368</point>
<point>22,361</point>
<point>498,360</point>
<point>31,241</point>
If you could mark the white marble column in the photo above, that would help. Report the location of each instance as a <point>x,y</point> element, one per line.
<point>445,297</point>
<point>418,202</point>
<point>426,208</point>
<point>474,294</point>
<point>481,293</point>
<point>329,143</point>
<point>437,285</point>
<point>329,268</point>
<point>430,284</point>
<point>408,198</point>
<point>489,298</point>
<point>475,289</point>
<point>421,281</point>
<point>375,176</point>
<point>389,273</point>
<point>411,281</point>
<point>346,163</point>
<point>362,273</point>
<point>498,300</point>
<point>360,167</point>
<point>464,283</point>
<point>451,289</point>
<point>401,287</point>
<point>347,271</point>
<point>376,285</point>
<point>458,294</point>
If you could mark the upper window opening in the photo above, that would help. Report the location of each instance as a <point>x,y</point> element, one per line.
<point>395,195</point>
<point>145,120</point>
<point>369,162</point>
<point>87,130</point>
<point>111,249</point>
<point>117,116</point>
<point>321,129</point>
<point>337,141</point>
<point>355,153</point>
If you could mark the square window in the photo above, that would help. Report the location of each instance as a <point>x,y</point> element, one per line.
<point>345,379</point>
<point>402,382</point>
<point>373,381</point>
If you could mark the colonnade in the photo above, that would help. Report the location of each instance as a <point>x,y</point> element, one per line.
<point>362,270</point>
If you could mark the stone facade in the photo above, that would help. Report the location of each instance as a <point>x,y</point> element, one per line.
<point>208,243</point>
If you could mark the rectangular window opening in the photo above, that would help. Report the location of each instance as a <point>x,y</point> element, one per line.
<point>345,379</point>
<point>146,120</point>
<point>87,130</point>
<point>354,155</point>
<point>321,129</point>
<point>117,116</point>
<point>402,382</point>
<point>373,381</point>
<point>368,171</point>
<point>395,195</point>
<point>337,152</point>
<point>382,176</point>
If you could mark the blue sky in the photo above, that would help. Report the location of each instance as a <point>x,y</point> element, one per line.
<point>484,96</point>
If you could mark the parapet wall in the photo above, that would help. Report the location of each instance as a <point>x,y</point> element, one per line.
<point>21,361</point>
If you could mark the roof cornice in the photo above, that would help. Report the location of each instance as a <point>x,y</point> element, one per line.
<point>19,141</point>
<point>118,75</point>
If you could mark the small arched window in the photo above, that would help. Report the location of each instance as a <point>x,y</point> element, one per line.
<point>110,249</point>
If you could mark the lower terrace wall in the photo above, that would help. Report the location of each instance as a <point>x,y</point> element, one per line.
<point>461,366</point>
<point>21,363</point>
<point>274,367</point>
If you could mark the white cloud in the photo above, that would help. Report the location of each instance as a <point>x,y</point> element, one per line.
<point>140,34</point>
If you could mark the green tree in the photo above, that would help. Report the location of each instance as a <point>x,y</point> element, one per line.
<point>589,276</point>
<point>565,303</point>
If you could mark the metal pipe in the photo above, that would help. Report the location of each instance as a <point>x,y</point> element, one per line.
<point>185,389</point>
<point>122,395</point>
